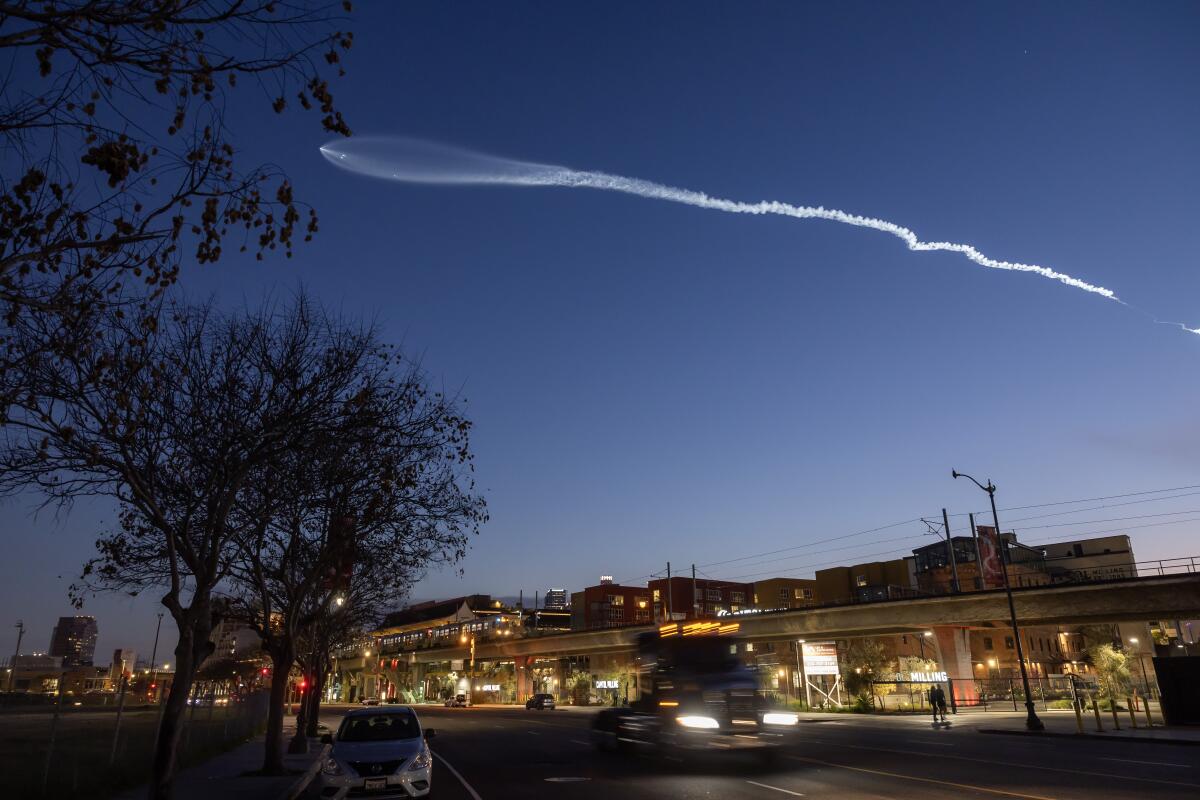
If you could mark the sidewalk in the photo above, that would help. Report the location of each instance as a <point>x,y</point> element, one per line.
<point>225,777</point>
<point>1062,723</point>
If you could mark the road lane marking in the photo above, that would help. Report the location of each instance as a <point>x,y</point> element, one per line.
<point>1152,763</point>
<point>939,744</point>
<point>533,733</point>
<point>968,786</point>
<point>1019,765</point>
<point>580,741</point>
<point>775,788</point>
<point>470,790</point>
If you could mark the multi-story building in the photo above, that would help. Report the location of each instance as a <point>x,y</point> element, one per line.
<point>74,640</point>
<point>874,580</point>
<point>610,605</point>
<point>688,598</point>
<point>124,661</point>
<point>785,593</point>
<point>935,572</point>
<point>1102,558</point>
<point>556,600</point>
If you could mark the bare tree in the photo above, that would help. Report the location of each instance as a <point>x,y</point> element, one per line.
<point>118,158</point>
<point>173,424</point>
<point>378,491</point>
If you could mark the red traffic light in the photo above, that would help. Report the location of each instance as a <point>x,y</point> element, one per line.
<point>265,671</point>
<point>303,684</point>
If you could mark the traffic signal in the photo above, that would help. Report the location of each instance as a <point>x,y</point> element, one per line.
<point>303,684</point>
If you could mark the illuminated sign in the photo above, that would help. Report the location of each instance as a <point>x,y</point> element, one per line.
<point>607,684</point>
<point>491,687</point>
<point>922,677</point>
<point>744,611</point>
<point>820,658</point>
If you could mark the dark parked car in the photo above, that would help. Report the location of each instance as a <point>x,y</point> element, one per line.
<point>542,702</point>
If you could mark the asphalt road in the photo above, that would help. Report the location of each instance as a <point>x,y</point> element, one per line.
<point>498,754</point>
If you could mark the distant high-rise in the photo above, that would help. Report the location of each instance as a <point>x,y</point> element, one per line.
<point>556,600</point>
<point>74,639</point>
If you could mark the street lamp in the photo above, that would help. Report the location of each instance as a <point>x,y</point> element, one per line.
<point>1141,663</point>
<point>1031,718</point>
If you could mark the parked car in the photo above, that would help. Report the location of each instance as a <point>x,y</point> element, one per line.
<point>458,701</point>
<point>370,701</point>
<point>381,753</point>
<point>542,702</point>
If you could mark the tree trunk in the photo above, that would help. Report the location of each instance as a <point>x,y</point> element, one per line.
<point>190,651</point>
<point>281,660</point>
<point>314,708</point>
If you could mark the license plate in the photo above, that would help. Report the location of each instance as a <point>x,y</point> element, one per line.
<point>375,783</point>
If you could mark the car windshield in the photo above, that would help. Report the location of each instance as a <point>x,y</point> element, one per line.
<point>379,728</point>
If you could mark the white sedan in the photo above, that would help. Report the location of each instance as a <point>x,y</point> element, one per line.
<point>380,752</point>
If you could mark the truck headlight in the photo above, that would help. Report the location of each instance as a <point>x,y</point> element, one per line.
<point>422,761</point>
<point>780,718</point>
<point>331,767</point>
<point>698,722</point>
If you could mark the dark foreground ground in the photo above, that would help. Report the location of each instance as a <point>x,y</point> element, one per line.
<point>500,754</point>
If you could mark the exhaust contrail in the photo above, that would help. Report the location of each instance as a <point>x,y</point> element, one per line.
<point>417,161</point>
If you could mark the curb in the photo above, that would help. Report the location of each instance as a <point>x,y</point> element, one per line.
<point>300,784</point>
<point>1096,736</point>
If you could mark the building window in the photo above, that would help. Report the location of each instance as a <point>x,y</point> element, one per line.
<point>783,595</point>
<point>803,594</point>
<point>1008,642</point>
<point>737,597</point>
<point>713,594</point>
<point>657,595</point>
<point>987,643</point>
<point>749,647</point>
<point>616,599</point>
<point>860,580</point>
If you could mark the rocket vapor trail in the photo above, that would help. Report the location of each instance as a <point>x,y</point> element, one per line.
<point>416,161</point>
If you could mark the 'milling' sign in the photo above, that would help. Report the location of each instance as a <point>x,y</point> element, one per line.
<point>922,677</point>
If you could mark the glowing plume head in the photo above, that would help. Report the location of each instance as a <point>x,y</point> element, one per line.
<point>400,158</point>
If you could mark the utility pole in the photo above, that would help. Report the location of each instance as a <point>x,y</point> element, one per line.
<point>695,599</point>
<point>669,616</point>
<point>950,547</point>
<point>12,668</point>
<point>1031,718</point>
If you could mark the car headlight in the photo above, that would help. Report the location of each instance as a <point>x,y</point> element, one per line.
<point>331,767</point>
<point>423,761</point>
<point>698,722</point>
<point>780,718</point>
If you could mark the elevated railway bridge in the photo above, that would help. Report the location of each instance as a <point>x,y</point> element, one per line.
<point>509,669</point>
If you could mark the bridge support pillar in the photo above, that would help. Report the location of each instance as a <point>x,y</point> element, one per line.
<point>954,657</point>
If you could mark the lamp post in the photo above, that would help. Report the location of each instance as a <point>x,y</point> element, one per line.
<point>471,671</point>
<point>1031,718</point>
<point>1142,663</point>
<point>12,667</point>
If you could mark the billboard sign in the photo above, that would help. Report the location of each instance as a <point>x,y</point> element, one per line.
<point>820,658</point>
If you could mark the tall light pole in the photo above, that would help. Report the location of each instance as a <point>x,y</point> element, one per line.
<point>1031,718</point>
<point>154,654</point>
<point>12,668</point>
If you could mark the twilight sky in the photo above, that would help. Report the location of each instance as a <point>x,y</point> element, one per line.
<point>655,382</point>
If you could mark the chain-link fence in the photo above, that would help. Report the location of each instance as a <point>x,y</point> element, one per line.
<point>93,752</point>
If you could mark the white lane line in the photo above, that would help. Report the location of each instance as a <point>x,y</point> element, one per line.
<point>580,741</point>
<point>1152,763</point>
<point>533,733</point>
<point>939,744</point>
<point>775,788</point>
<point>470,790</point>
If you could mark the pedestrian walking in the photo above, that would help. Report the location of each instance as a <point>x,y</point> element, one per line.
<point>937,702</point>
